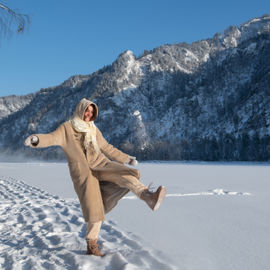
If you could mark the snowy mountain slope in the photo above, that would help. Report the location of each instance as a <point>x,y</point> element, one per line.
<point>41,231</point>
<point>11,104</point>
<point>208,100</point>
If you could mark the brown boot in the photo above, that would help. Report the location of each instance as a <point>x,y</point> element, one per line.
<point>93,249</point>
<point>154,199</point>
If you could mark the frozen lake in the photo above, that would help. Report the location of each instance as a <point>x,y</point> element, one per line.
<point>215,215</point>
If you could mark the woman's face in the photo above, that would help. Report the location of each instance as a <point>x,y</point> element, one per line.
<point>88,114</point>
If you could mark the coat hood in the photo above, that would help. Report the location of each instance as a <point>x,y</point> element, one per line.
<point>82,106</point>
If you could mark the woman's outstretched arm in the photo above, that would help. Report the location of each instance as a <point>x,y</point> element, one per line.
<point>55,138</point>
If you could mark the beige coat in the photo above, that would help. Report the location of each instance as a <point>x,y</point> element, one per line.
<point>96,198</point>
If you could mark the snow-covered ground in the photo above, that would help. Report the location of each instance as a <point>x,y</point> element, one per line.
<point>215,217</point>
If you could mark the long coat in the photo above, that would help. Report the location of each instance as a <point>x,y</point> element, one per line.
<point>96,197</point>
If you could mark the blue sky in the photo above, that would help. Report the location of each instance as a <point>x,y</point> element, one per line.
<point>68,38</point>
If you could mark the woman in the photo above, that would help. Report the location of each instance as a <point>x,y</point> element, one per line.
<point>97,169</point>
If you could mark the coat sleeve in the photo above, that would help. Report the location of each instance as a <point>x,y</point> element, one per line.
<point>110,151</point>
<point>55,138</point>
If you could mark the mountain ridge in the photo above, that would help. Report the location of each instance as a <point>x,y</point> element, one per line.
<point>208,100</point>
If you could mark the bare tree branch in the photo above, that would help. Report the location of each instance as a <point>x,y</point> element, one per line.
<point>12,21</point>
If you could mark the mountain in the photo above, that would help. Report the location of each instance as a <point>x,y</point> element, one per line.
<point>11,104</point>
<point>208,100</point>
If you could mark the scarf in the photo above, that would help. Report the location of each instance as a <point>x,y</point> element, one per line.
<point>89,128</point>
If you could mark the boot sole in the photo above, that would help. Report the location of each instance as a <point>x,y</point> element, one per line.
<point>102,255</point>
<point>161,197</point>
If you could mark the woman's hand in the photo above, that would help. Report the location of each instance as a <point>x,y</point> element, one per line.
<point>132,161</point>
<point>32,139</point>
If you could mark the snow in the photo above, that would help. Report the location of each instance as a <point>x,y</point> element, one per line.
<point>206,57</point>
<point>145,64</point>
<point>138,114</point>
<point>141,130</point>
<point>120,98</point>
<point>251,48</point>
<point>182,69</point>
<point>43,231</point>
<point>252,21</point>
<point>254,26</point>
<point>189,56</point>
<point>215,216</point>
<point>132,67</point>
